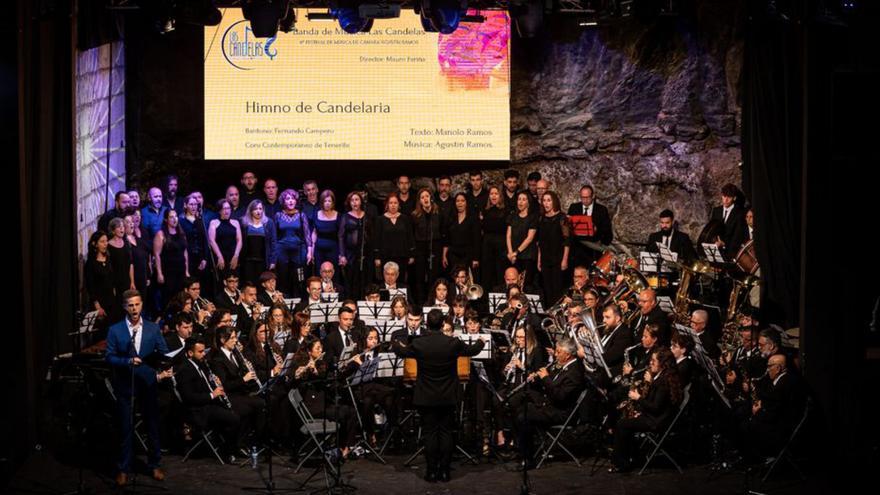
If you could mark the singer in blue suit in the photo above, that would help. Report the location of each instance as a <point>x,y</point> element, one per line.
<point>129,343</point>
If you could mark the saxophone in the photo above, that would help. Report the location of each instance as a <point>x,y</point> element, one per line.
<point>628,408</point>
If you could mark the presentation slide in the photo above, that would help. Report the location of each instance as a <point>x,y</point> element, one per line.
<point>394,93</point>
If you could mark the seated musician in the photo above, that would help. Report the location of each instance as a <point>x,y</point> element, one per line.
<point>301,331</point>
<point>228,297</point>
<point>439,294</point>
<point>266,369</point>
<point>615,340</point>
<point>267,295</point>
<point>512,276</point>
<point>699,322</point>
<point>221,318</point>
<point>522,315</point>
<point>238,381</point>
<point>558,388</point>
<point>459,309</point>
<point>649,410</point>
<point>279,321</point>
<point>682,345</point>
<point>249,311</point>
<point>313,289</point>
<point>341,334</point>
<point>522,359</point>
<point>399,308</point>
<point>205,401</point>
<point>372,293</point>
<point>183,329</point>
<point>413,327</point>
<point>310,377</point>
<point>776,412</point>
<point>636,361</point>
<point>376,395</point>
<point>650,312</point>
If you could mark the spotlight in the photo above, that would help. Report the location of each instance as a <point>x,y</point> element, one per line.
<point>198,12</point>
<point>442,16</point>
<point>265,16</point>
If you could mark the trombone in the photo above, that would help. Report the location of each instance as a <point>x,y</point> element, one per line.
<point>472,291</point>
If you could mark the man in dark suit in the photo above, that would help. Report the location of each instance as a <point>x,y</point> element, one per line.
<point>650,313</point>
<point>618,337</point>
<point>778,409</point>
<point>268,294</point>
<point>328,281</point>
<point>699,322</point>
<point>437,391</point>
<point>523,316</point>
<point>229,296</point>
<point>677,242</point>
<point>130,343</point>
<point>413,327</point>
<point>733,216</point>
<point>556,398</point>
<point>248,311</point>
<point>183,329</point>
<point>206,403</point>
<point>341,335</point>
<point>596,229</point>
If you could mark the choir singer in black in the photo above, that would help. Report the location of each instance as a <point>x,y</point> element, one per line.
<point>437,390</point>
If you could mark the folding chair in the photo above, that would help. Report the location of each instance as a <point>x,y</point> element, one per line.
<point>786,448</point>
<point>658,443</point>
<point>205,436</point>
<point>312,428</point>
<point>558,431</point>
<point>138,421</point>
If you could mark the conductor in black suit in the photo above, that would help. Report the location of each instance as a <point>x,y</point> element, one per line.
<point>669,236</point>
<point>602,233</point>
<point>437,390</point>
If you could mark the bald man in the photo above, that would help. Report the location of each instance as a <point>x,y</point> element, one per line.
<point>511,277</point>
<point>650,313</point>
<point>699,321</point>
<point>778,409</point>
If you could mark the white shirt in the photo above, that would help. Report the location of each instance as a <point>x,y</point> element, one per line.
<point>140,333</point>
<point>778,377</point>
<point>588,210</point>
<point>726,212</point>
<point>229,355</point>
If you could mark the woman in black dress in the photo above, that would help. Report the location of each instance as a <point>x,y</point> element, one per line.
<point>141,251</point>
<point>522,227</point>
<point>493,259</point>
<point>193,227</point>
<point>98,278</point>
<point>224,237</point>
<point>354,232</point>
<point>169,251</point>
<point>119,252</point>
<point>258,246</point>
<point>394,239</point>
<point>463,237</point>
<point>429,229</point>
<point>553,234</point>
<point>326,229</point>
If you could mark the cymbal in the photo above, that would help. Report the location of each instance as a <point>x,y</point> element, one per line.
<point>596,246</point>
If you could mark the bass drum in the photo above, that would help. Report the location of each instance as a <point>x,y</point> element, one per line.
<point>606,265</point>
<point>747,259</point>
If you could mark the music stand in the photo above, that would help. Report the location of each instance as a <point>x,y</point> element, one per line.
<point>291,302</point>
<point>323,313</point>
<point>384,327</point>
<point>702,359</point>
<point>649,262</point>
<point>670,259</point>
<point>666,304</point>
<point>535,303</point>
<point>495,299</point>
<point>364,374</point>
<point>442,309</point>
<point>380,310</point>
<point>470,338</point>
<point>329,297</point>
<point>713,254</point>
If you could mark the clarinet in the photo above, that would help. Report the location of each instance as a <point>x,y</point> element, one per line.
<point>223,398</point>
<point>247,364</point>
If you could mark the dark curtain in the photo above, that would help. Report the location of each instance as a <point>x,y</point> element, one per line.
<point>771,132</point>
<point>46,206</point>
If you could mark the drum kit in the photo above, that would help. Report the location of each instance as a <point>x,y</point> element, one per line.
<point>616,275</point>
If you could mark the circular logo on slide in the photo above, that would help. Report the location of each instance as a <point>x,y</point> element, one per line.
<point>243,50</point>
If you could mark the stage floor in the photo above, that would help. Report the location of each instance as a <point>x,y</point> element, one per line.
<point>43,473</point>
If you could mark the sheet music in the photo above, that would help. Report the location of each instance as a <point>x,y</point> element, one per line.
<point>385,327</point>
<point>648,262</point>
<point>470,338</point>
<point>713,254</point>
<point>291,302</point>
<point>666,304</point>
<point>329,297</point>
<point>535,303</point>
<point>700,356</point>
<point>443,309</point>
<point>495,299</point>
<point>324,312</point>
<point>390,365</point>
<point>377,310</point>
<point>669,259</point>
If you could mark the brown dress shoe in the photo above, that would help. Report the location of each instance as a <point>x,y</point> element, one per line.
<point>121,479</point>
<point>158,474</point>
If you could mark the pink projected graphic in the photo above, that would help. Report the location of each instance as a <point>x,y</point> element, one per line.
<point>475,54</point>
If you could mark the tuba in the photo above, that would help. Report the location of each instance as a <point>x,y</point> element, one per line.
<point>633,282</point>
<point>682,300</point>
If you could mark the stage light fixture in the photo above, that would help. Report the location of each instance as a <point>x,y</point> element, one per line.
<point>287,24</point>
<point>265,16</point>
<point>441,16</point>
